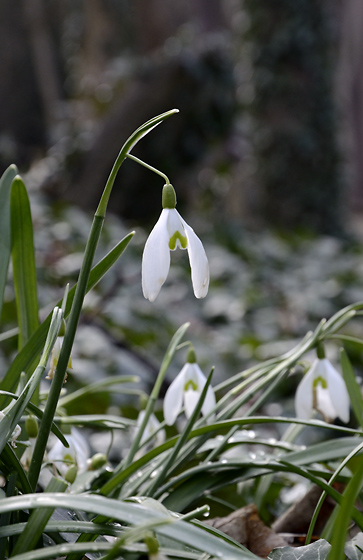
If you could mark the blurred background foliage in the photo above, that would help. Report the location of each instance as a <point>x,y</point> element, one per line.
<point>264,155</point>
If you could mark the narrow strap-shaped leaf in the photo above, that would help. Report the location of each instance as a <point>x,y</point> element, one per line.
<point>352,386</point>
<point>5,518</point>
<point>5,232</point>
<point>13,464</point>
<point>38,520</point>
<point>39,413</point>
<point>24,360</point>
<point>23,258</point>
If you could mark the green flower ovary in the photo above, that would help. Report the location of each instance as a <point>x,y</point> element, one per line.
<point>174,238</point>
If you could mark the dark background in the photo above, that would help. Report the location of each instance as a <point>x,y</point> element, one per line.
<point>270,97</point>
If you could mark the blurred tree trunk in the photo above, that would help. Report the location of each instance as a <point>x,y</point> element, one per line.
<point>198,81</point>
<point>22,128</point>
<point>293,106</point>
<point>97,31</point>
<point>43,59</point>
<point>350,95</point>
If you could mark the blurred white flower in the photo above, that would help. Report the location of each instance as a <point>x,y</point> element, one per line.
<point>324,390</point>
<point>151,429</point>
<point>77,453</point>
<point>186,388</point>
<point>26,457</point>
<point>170,232</point>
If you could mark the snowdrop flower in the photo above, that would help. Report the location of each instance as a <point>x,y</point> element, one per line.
<point>77,453</point>
<point>27,456</point>
<point>324,390</point>
<point>170,232</point>
<point>186,388</point>
<point>151,429</point>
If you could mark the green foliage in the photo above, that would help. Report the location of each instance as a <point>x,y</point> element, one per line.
<point>158,486</point>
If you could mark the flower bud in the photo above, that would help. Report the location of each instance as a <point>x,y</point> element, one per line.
<point>97,461</point>
<point>71,474</point>
<point>31,426</point>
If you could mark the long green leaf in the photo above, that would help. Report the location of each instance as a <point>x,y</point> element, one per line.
<point>5,229</point>
<point>16,408</point>
<point>38,520</point>
<point>181,532</point>
<point>12,464</point>
<point>33,409</point>
<point>26,356</point>
<point>352,386</point>
<point>345,514</point>
<point>23,259</point>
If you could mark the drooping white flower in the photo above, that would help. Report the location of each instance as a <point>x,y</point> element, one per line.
<point>170,232</point>
<point>186,389</point>
<point>324,390</point>
<point>77,453</point>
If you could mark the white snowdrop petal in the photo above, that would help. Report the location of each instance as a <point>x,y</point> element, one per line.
<point>191,399</point>
<point>173,399</point>
<point>324,404</point>
<point>175,224</point>
<point>156,258</point>
<point>209,401</point>
<point>198,262</point>
<point>210,398</point>
<point>304,396</point>
<point>338,393</point>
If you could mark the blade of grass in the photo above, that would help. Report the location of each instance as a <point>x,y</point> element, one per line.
<point>25,358</point>
<point>196,535</point>
<point>23,260</point>
<point>39,413</point>
<point>83,279</point>
<point>14,411</point>
<point>153,397</point>
<point>38,520</point>
<point>5,228</point>
<point>354,452</point>
<point>345,514</point>
<point>5,518</point>
<point>159,479</point>
<point>13,464</point>
<point>354,389</point>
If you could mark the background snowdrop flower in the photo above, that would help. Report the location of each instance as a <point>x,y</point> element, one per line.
<point>186,389</point>
<point>77,453</point>
<point>152,429</point>
<point>324,390</point>
<point>170,232</point>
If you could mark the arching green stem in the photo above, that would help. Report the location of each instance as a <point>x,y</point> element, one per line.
<point>150,167</point>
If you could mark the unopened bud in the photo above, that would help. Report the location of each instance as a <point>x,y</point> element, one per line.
<point>31,426</point>
<point>71,474</point>
<point>97,461</point>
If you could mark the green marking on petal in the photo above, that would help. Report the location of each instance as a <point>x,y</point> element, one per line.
<point>320,381</point>
<point>190,385</point>
<point>174,238</point>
